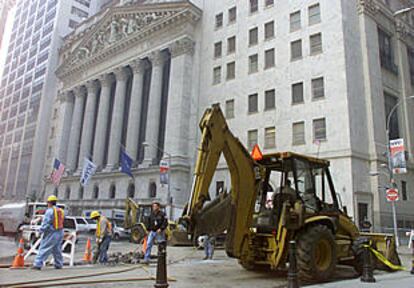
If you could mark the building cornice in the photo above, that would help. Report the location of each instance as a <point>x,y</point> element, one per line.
<point>368,7</point>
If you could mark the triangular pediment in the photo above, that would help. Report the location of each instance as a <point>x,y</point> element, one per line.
<point>117,25</point>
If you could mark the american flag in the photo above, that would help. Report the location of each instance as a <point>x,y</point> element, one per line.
<point>58,169</point>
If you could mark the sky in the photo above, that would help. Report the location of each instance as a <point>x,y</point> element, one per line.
<point>6,40</point>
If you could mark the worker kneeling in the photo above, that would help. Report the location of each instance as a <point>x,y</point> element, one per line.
<point>52,230</point>
<point>103,236</point>
<point>157,225</point>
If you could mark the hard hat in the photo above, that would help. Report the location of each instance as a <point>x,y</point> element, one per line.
<point>95,214</point>
<point>52,198</point>
<point>156,202</point>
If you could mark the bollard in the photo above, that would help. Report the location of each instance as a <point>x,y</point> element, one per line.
<point>412,260</point>
<point>293,281</point>
<point>161,280</point>
<point>367,271</point>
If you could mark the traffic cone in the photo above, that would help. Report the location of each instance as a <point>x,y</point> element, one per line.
<point>87,257</point>
<point>144,245</point>
<point>18,261</point>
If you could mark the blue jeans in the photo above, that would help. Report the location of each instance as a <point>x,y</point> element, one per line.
<point>209,246</point>
<point>103,249</point>
<point>51,244</point>
<point>153,235</point>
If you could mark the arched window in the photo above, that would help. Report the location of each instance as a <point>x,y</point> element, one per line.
<point>95,192</point>
<point>112,191</point>
<point>80,193</point>
<point>152,190</point>
<point>131,190</point>
<point>56,191</point>
<point>67,193</point>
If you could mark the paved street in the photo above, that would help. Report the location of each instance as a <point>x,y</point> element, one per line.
<point>187,268</point>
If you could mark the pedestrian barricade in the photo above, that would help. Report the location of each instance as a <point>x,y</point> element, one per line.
<point>69,238</point>
<point>411,235</point>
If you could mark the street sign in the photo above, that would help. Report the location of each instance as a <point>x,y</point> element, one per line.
<point>392,194</point>
<point>164,167</point>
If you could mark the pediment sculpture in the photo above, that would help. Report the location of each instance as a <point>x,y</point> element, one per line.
<point>116,29</point>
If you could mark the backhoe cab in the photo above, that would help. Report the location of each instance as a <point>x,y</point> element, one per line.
<point>281,197</point>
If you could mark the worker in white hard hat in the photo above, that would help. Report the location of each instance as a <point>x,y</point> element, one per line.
<point>52,230</point>
<point>103,236</point>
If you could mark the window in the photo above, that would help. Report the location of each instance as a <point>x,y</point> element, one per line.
<point>296,50</point>
<point>253,63</point>
<point>319,129</point>
<point>231,71</point>
<point>67,193</point>
<point>254,6</point>
<point>95,192</point>
<point>410,53</point>
<point>231,45</point>
<point>295,21</point>
<point>390,102</point>
<point>315,44</point>
<point>217,49</point>
<point>80,193</point>
<point>251,139</point>
<point>270,58</point>
<point>386,51</point>
<point>314,14</point>
<point>404,190</point>
<point>269,30</point>
<point>232,15</point>
<point>131,190</point>
<point>270,137</point>
<point>297,93</point>
<point>219,187</point>
<point>298,133</point>
<point>152,190</point>
<point>230,109</point>
<point>78,12</point>
<point>83,2</point>
<point>219,20</point>
<point>270,99</point>
<point>73,24</point>
<point>253,103</point>
<point>269,3</point>
<point>253,36</point>
<point>217,75</point>
<point>112,192</point>
<point>318,90</point>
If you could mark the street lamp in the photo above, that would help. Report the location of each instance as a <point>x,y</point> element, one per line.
<point>402,11</point>
<point>389,160</point>
<point>169,200</point>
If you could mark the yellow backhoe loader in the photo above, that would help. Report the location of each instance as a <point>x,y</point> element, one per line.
<point>275,199</point>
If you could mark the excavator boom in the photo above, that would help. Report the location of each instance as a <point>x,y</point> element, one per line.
<point>233,211</point>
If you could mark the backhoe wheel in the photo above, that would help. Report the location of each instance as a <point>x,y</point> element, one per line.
<point>137,234</point>
<point>358,251</point>
<point>316,254</point>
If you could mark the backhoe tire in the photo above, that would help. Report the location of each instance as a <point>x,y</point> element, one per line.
<point>358,251</point>
<point>316,254</point>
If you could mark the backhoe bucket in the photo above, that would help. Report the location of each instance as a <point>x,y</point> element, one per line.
<point>386,245</point>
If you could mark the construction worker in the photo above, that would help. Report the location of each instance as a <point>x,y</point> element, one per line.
<point>103,236</point>
<point>52,230</point>
<point>157,225</point>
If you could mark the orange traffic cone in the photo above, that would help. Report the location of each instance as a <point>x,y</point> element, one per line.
<point>18,261</point>
<point>144,245</point>
<point>87,257</point>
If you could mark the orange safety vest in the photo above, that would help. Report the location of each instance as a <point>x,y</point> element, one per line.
<point>59,216</point>
<point>98,227</point>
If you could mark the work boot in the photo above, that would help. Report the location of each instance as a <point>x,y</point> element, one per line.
<point>205,258</point>
<point>58,267</point>
<point>145,262</point>
<point>36,268</point>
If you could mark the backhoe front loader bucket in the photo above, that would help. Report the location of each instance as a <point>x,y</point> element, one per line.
<point>386,245</point>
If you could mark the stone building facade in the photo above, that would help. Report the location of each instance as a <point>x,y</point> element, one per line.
<point>315,77</point>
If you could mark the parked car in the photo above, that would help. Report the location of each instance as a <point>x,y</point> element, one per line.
<point>119,232</point>
<point>91,225</point>
<point>81,224</point>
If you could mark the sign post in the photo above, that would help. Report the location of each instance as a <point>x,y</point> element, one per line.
<point>392,196</point>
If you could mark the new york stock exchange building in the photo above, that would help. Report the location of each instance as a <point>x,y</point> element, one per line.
<point>127,84</point>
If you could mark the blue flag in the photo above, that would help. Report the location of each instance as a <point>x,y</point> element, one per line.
<point>126,163</point>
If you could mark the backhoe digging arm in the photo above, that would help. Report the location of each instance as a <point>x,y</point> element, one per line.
<point>232,212</point>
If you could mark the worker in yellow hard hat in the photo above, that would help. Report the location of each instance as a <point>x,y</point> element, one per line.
<point>52,229</point>
<point>103,236</point>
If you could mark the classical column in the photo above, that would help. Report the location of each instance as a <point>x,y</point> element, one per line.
<point>75,129</point>
<point>66,107</point>
<point>154,107</point>
<point>179,98</point>
<point>138,67</point>
<point>88,121</point>
<point>102,120</point>
<point>121,75</point>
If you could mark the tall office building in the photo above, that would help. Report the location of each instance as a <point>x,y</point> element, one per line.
<point>317,77</point>
<point>5,6</point>
<point>28,88</point>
